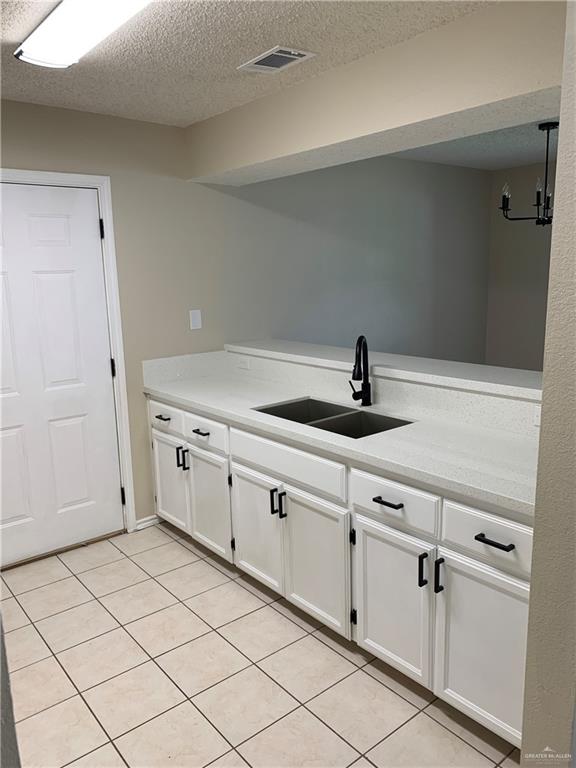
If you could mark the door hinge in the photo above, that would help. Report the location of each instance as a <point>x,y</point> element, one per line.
<point>353,536</point>
<point>101,229</point>
<point>230,480</point>
<point>353,616</point>
<point>123,495</point>
<point>113,367</point>
<point>233,544</point>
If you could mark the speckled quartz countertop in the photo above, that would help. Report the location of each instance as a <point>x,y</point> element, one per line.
<point>488,468</point>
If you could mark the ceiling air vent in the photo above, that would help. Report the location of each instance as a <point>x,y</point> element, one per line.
<point>276,59</point>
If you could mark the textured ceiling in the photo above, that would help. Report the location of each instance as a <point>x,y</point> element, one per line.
<point>175,63</point>
<point>507,148</point>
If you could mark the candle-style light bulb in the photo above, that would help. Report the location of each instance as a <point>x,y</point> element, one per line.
<point>506,195</point>
<point>539,193</point>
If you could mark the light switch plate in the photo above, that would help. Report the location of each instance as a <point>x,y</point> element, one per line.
<point>195,319</point>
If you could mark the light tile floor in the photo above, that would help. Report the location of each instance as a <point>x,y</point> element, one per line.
<point>148,651</point>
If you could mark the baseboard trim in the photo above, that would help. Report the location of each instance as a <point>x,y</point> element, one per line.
<point>146,522</point>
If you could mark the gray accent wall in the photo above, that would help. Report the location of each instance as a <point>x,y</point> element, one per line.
<point>393,248</point>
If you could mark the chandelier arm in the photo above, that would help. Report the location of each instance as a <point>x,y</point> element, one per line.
<point>519,218</point>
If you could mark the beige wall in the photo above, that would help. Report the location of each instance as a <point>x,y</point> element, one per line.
<point>338,242</point>
<point>551,665</point>
<point>149,206</point>
<point>518,276</point>
<point>374,106</point>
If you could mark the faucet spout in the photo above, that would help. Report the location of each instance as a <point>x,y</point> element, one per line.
<point>361,372</point>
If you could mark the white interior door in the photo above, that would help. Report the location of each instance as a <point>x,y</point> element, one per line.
<point>60,467</point>
<point>393,597</point>
<point>317,558</point>
<point>210,500</point>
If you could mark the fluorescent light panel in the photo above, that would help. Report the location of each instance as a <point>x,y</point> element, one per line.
<point>73,28</point>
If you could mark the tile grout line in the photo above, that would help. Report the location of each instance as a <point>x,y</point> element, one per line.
<point>186,698</point>
<point>79,693</point>
<point>250,664</point>
<point>303,704</point>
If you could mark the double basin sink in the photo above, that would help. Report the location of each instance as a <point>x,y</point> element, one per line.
<point>333,418</point>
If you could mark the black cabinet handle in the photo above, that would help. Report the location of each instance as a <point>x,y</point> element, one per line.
<point>437,586</point>
<point>281,497</point>
<point>273,494</point>
<point>199,432</point>
<point>421,580</point>
<point>179,456</point>
<point>160,417</point>
<point>481,537</point>
<point>185,467</point>
<point>380,500</point>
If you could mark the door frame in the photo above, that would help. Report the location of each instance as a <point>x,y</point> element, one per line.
<point>102,186</point>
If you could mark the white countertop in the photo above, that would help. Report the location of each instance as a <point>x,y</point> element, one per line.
<point>492,469</point>
<point>509,382</point>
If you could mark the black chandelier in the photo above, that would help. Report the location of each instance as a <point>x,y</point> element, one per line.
<point>544,216</point>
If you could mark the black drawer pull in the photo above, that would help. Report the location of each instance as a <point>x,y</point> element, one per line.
<point>160,417</point>
<point>273,495</point>
<point>380,500</point>
<point>179,456</point>
<point>281,497</point>
<point>481,537</point>
<point>421,580</point>
<point>437,586</point>
<point>185,466</point>
<point>199,432</point>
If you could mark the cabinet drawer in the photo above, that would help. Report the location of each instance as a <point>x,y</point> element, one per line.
<point>206,433</point>
<point>165,418</point>
<point>322,475</point>
<point>460,526</point>
<point>416,509</point>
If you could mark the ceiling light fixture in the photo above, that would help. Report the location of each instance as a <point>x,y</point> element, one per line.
<point>543,217</point>
<point>73,28</point>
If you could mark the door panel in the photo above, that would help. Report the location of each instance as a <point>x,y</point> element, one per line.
<point>210,501</point>
<point>258,532</point>
<point>394,612</point>
<point>481,626</point>
<point>317,558</point>
<point>172,498</point>
<point>57,390</point>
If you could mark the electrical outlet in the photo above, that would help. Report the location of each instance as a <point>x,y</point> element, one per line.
<point>195,319</point>
<point>537,414</point>
<point>244,363</point>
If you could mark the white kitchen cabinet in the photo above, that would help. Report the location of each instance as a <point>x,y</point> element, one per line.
<point>208,489</point>
<point>317,557</point>
<point>481,625</point>
<point>257,526</point>
<point>393,597</point>
<point>172,498</point>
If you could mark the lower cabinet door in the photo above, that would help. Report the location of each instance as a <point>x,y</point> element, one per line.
<point>170,477</point>
<point>210,522</point>
<point>393,597</point>
<point>481,625</point>
<point>257,526</point>
<point>317,558</point>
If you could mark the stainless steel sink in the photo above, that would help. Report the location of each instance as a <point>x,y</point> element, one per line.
<point>360,424</point>
<point>333,418</point>
<point>305,410</point>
